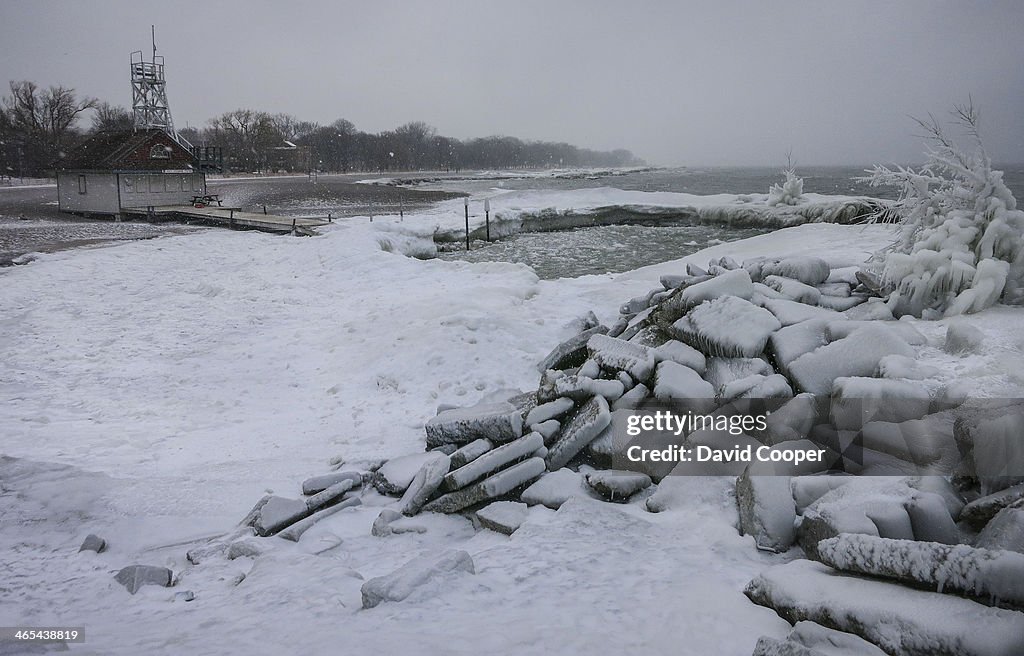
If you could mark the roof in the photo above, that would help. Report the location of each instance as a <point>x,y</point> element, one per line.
<point>128,150</point>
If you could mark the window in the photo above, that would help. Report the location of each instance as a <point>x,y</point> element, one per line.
<point>160,151</point>
<point>82,184</point>
<point>129,184</point>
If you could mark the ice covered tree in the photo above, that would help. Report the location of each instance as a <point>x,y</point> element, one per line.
<point>961,242</point>
<point>790,192</point>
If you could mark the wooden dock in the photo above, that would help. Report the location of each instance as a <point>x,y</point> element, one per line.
<point>229,217</point>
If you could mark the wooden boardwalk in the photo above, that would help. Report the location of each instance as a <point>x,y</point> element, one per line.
<point>229,217</point>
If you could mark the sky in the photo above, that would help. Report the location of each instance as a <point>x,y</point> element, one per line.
<point>678,83</point>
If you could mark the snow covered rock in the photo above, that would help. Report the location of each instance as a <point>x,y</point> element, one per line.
<point>570,353</point>
<point>424,484</point>
<point>859,400</point>
<point>900,366</point>
<point>492,461</point>
<point>727,326</point>
<point>791,421</point>
<point>757,387</point>
<point>469,452</point>
<point>810,639</point>
<point>808,489</point>
<point>617,486</point>
<point>721,371</point>
<point>996,449</point>
<point>840,289</point>
<point>872,310</point>
<point>555,384</point>
<point>789,312</point>
<point>675,351</point>
<point>808,270</point>
<point>331,495</point>
<point>962,337</point>
<point>791,342</point>
<point>674,381</point>
<point>94,543</point>
<point>591,368</point>
<point>615,355</point>
<point>930,519</point>
<point>840,303</point>
<point>503,516</point>
<point>855,355</point>
<point>273,513</point>
<point>959,568</point>
<point>732,283</point>
<point>549,410</point>
<point>394,476</point>
<point>581,429</point>
<point>767,511</point>
<point>295,531</point>
<point>851,507</point>
<point>249,547</point>
<point>902,329</point>
<point>632,398</point>
<point>900,620</point>
<point>321,483</point>
<point>491,487</point>
<point>548,429</point>
<point>414,575</point>
<point>793,290</point>
<point>382,525</point>
<point>555,488</point>
<point>980,512</point>
<point>498,422</point>
<point>1005,531</point>
<point>134,577</point>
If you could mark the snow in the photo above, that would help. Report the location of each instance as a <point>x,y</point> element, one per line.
<point>792,289</point>
<point>674,381</point>
<point>731,283</point>
<point>855,355</point>
<point>415,574</point>
<point>154,391</point>
<point>555,488</point>
<point>684,354</point>
<point>790,312</point>
<point>617,355</point>
<point>727,326</point>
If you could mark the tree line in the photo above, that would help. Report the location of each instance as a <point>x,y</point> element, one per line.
<point>38,125</point>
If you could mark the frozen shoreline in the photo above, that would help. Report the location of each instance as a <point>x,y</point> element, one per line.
<point>174,380</point>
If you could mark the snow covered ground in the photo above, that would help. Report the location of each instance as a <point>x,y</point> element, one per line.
<point>151,392</point>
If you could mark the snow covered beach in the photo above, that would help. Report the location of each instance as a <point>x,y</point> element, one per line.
<point>154,390</point>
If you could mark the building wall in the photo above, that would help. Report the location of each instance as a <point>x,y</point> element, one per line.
<point>87,192</point>
<point>145,189</point>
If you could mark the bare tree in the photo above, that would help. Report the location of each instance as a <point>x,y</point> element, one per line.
<point>111,117</point>
<point>43,120</point>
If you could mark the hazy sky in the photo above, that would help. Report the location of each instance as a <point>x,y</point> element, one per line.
<point>676,82</point>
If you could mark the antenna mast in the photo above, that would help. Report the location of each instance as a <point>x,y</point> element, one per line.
<point>150,109</point>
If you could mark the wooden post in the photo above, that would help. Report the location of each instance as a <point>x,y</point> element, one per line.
<point>264,209</point>
<point>329,219</point>
<point>231,219</point>
<point>466,201</point>
<point>401,210</point>
<point>293,225</point>
<point>487,217</point>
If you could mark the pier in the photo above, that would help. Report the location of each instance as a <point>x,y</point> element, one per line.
<point>229,217</point>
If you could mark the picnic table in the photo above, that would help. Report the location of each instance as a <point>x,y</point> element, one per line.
<point>206,199</point>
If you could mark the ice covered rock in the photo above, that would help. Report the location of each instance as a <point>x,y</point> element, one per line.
<point>591,368</point>
<point>721,371</point>
<point>757,387</point>
<point>944,568</point>
<point>808,270</point>
<point>675,351</point>
<point>840,303</point>
<point>789,312</point>
<point>585,425</point>
<point>791,342</point>
<point>632,398</point>
<point>903,329</point>
<point>855,355</point>
<point>415,574</point>
<point>727,326</point>
<point>850,507</point>
<point>382,525</point>
<point>425,483</point>
<point>872,310</point>
<point>394,477</point>
<point>469,452</point>
<point>295,531</point>
<point>767,511</point>
<point>732,283</point>
<point>492,461</point>
<point>859,400</point>
<point>555,488</point>
<point>615,355</point>
<point>321,483</point>
<point>980,512</point>
<point>900,366</point>
<point>503,516</point>
<point>1005,531</point>
<point>811,639</point>
<point>548,429</point>
<point>791,421</point>
<point>273,513</point>
<point>134,577</point>
<point>555,384</point>
<point>962,337</point>
<point>93,542</point>
<point>492,487</point>
<point>674,381</point>
<point>996,450</point>
<point>649,336</point>
<point>794,290</point>
<point>330,496</point>
<point>898,619</point>
<point>498,422</point>
<point>617,486</point>
<point>840,289</point>
<point>249,547</point>
<point>549,410</point>
<point>930,519</point>
<point>808,489</point>
<point>572,352</point>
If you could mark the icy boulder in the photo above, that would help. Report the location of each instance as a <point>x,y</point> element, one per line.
<point>851,507</point>
<point>732,283</point>
<point>492,487</point>
<point>498,422</point>
<point>588,422</point>
<point>721,371</point>
<point>617,486</point>
<point>872,310</point>
<point>898,619</point>
<point>855,355</point>
<point>674,381</point>
<point>766,510</point>
<point>727,326</point>
<point>791,342</point>
<point>903,329</point>
<point>492,461</point>
<point>616,355</point>
<point>959,568</point>
<point>789,312</point>
<point>840,303</point>
<point>396,474</point>
<point>572,352</point>
<point>555,384</point>
<point>424,484</point>
<point>791,421</point>
<point>930,519</point>
<point>900,366</point>
<point>273,513</point>
<point>962,337</point>
<point>981,511</point>
<point>469,452</point>
<point>503,516</point>
<point>810,639</point>
<point>859,400</point>
<point>808,270</point>
<point>794,290</point>
<point>321,483</point>
<point>554,489</point>
<point>549,410</point>
<point>675,351</point>
<point>1005,531</point>
<point>134,577</point>
<point>414,575</point>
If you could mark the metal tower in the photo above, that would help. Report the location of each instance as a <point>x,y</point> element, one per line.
<point>149,94</point>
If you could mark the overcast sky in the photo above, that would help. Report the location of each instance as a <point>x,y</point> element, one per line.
<point>692,83</point>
